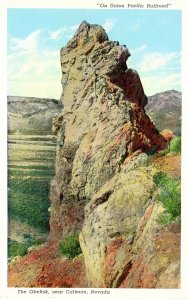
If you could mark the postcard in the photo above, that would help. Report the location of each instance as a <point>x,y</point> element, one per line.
<point>93,156</point>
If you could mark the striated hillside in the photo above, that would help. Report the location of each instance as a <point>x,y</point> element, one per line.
<point>31,156</point>
<point>165,110</point>
<point>103,187</point>
<point>29,115</point>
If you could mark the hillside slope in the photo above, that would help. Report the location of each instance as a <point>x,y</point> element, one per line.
<point>165,110</point>
<point>30,115</point>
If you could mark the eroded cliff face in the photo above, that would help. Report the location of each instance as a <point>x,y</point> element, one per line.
<point>122,241</point>
<point>103,185</point>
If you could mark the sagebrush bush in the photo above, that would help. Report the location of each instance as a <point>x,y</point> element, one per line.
<point>165,151</point>
<point>159,178</point>
<point>169,195</point>
<point>16,249</point>
<point>165,218</point>
<point>21,249</point>
<point>175,145</point>
<point>70,246</point>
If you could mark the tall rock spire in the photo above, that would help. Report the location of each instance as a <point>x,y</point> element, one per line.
<point>103,123</point>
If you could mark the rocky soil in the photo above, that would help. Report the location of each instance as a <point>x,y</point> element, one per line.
<point>45,268</point>
<point>104,185</point>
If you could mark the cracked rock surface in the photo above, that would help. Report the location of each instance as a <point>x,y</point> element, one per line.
<point>103,185</point>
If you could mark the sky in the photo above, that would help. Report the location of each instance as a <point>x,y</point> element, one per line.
<point>35,37</point>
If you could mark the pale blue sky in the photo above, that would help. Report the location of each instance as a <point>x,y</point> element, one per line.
<point>35,37</point>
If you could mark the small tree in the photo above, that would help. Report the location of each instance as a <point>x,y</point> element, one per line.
<point>169,195</point>
<point>70,246</point>
<point>175,145</point>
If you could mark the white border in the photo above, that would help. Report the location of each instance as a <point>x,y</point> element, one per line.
<point>161,294</point>
<point>92,4</point>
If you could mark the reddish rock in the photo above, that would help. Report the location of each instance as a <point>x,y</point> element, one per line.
<point>140,275</point>
<point>103,185</point>
<point>103,123</point>
<point>152,264</point>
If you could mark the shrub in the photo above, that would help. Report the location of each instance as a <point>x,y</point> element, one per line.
<point>165,151</point>
<point>165,219</point>
<point>70,246</point>
<point>159,178</point>
<point>21,249</point>
<point>151,152</point>
<point>16,249</point>
<point>175,145</point>
<point>169,195</point>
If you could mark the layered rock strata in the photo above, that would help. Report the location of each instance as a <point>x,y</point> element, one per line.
<point>103,186</point>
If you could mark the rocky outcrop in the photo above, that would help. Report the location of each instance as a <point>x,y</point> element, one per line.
<point>103,185</point>
<point>122,241</point>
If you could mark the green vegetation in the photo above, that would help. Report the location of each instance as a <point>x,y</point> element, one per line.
<point>31,168</point>
<point>30,172</point>
<point>28,201</point>
<point>70,246</point>
<point>151,152</point>
<point>165,151</point>
<point>175,145</point>
<point>21,249</point>
<point>170,196</point>
<point>16,249</point>
<point>159,178</point>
